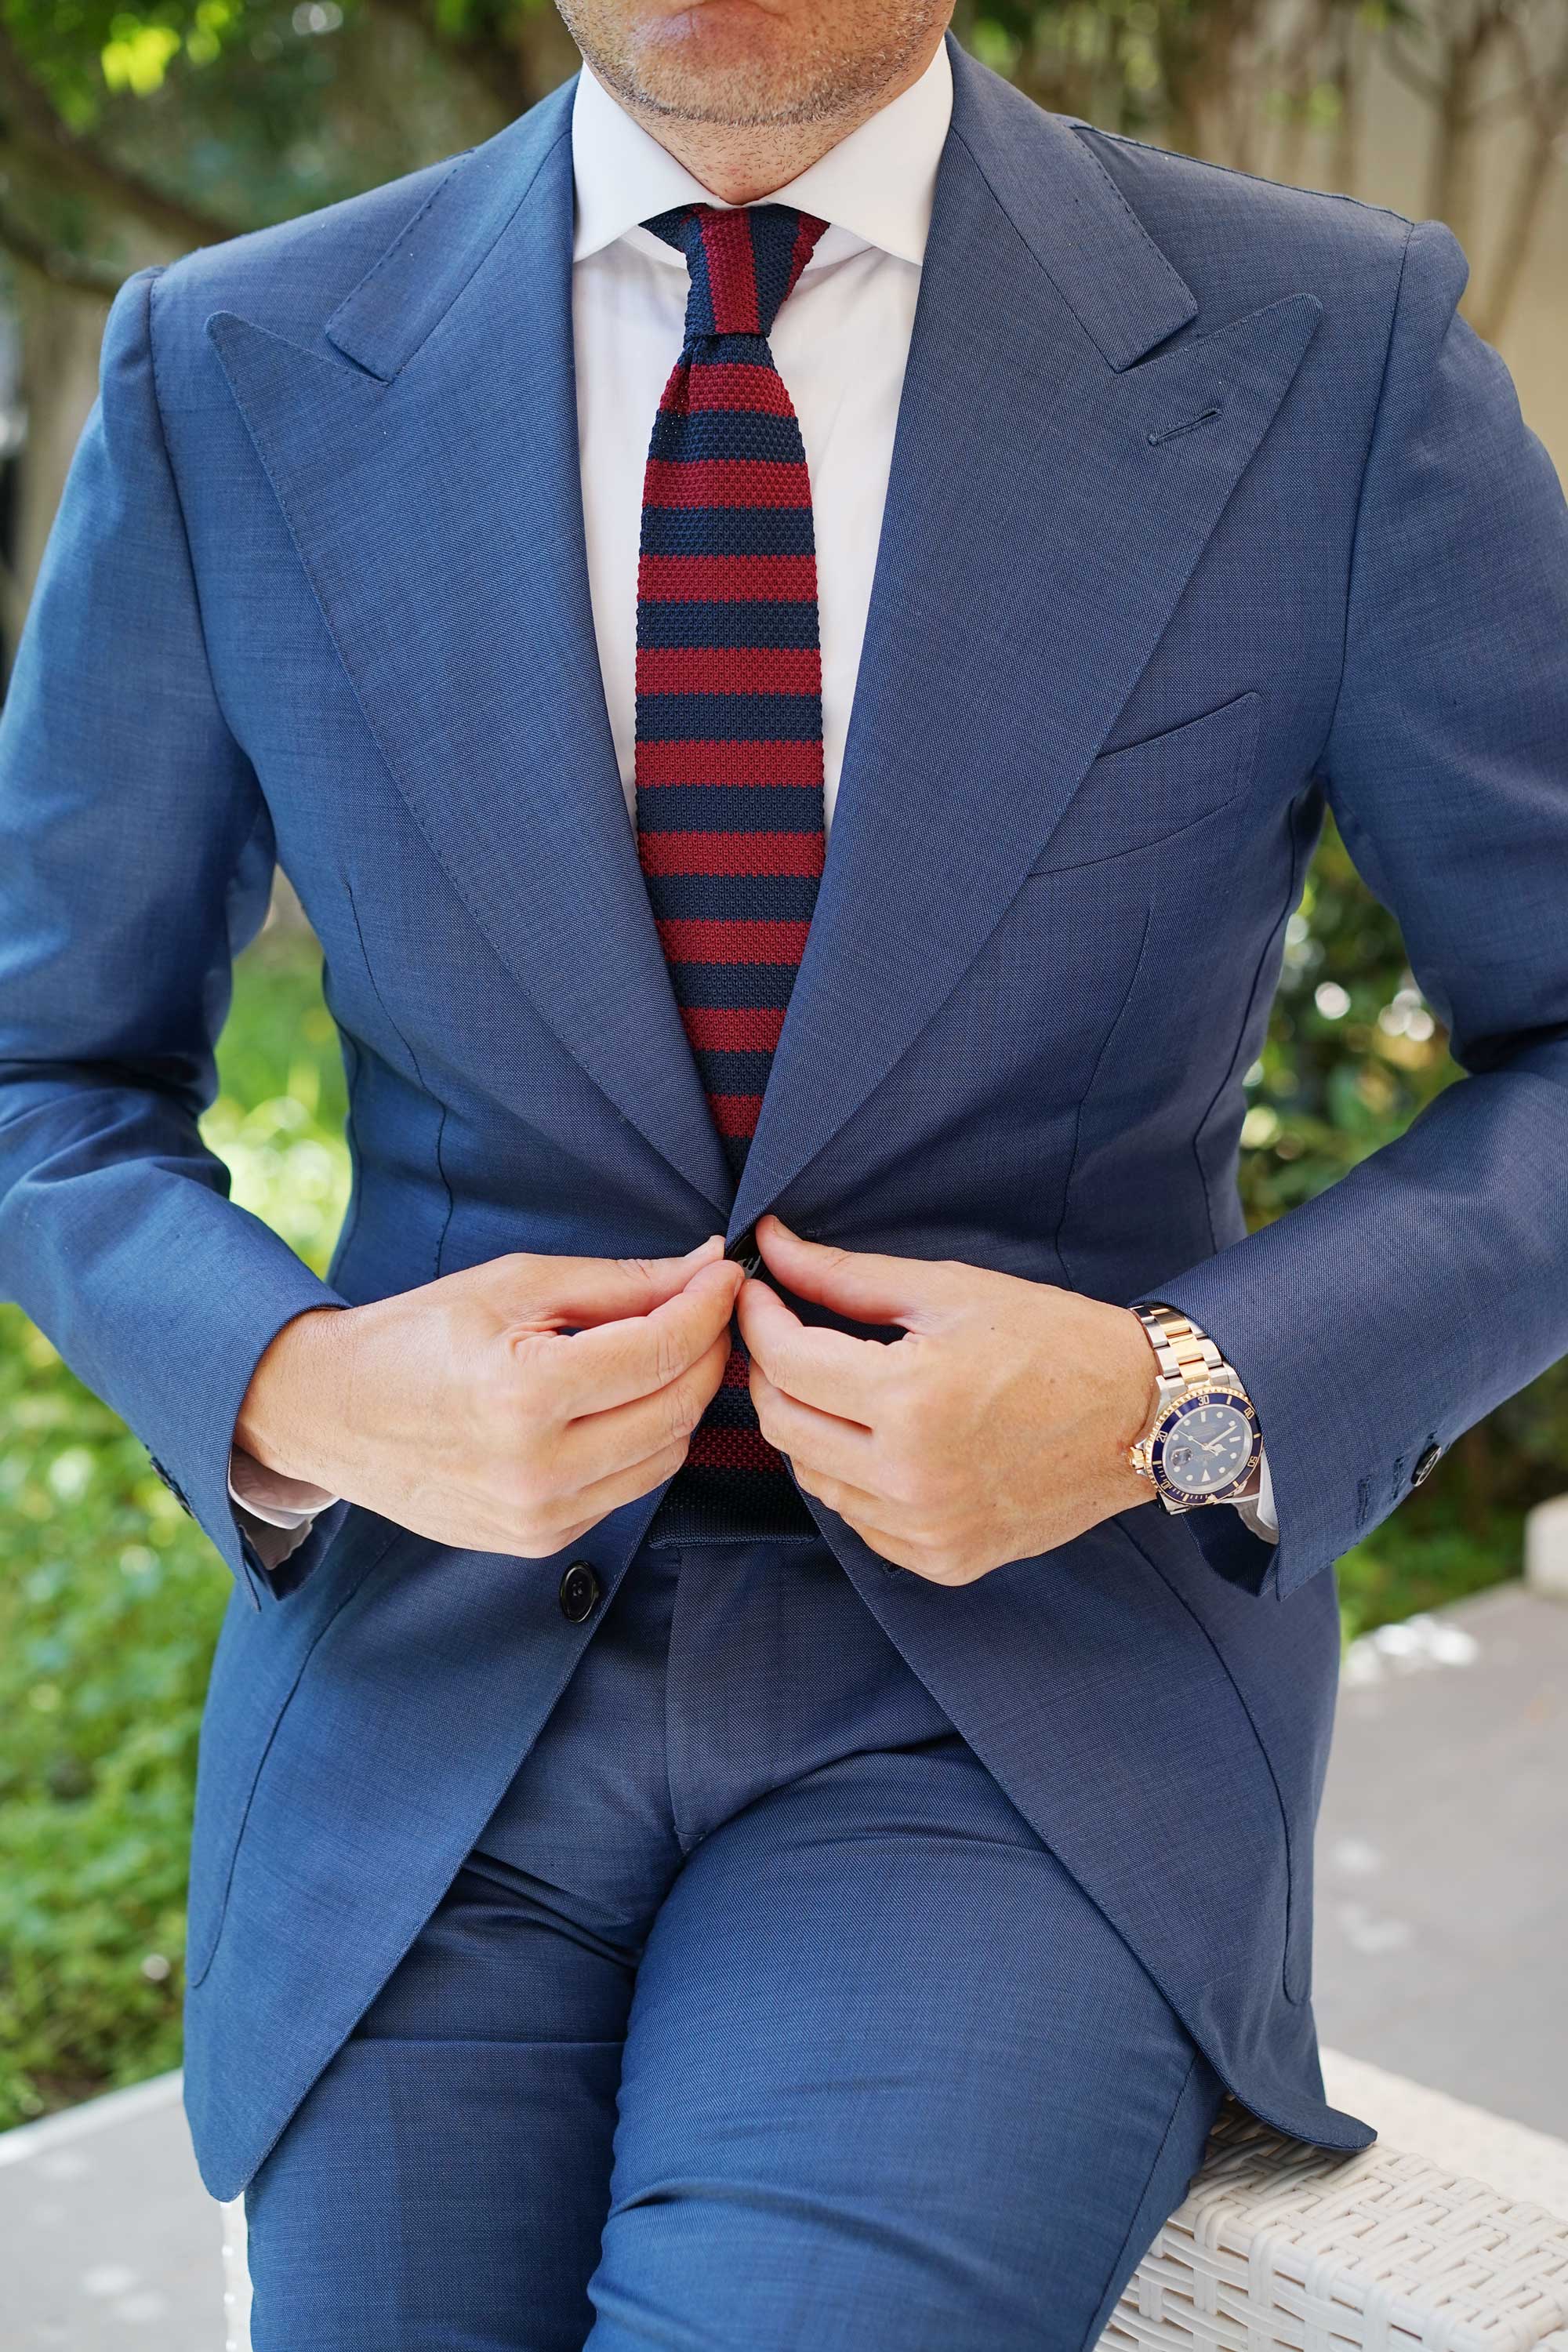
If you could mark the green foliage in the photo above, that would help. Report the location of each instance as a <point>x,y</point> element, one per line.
<point>187,119</point>
<point>1354,1052</point>
<point>108,1615</point>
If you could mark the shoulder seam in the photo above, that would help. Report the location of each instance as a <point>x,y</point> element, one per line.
<point>1230,172</point>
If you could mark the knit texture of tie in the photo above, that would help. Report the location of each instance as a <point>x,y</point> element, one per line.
<point>729,745</point>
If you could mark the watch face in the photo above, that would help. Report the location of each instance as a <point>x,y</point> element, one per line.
<point>1207,1445</point>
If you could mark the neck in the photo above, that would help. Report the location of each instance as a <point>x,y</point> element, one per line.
<point>741,163</point>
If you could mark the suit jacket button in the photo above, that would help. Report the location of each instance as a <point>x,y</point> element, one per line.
<point>1426,1464</point>
<point>744,1251</point>
<point>580,1591</point>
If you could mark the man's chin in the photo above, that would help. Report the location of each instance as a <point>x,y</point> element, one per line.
<point>726,62</point>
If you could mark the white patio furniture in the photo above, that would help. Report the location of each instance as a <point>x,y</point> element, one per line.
<point>1279,2245</point>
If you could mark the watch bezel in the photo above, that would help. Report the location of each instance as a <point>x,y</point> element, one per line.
<point>1202,1392</point>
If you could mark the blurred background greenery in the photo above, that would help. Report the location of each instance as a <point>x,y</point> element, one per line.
<point>129,133</point>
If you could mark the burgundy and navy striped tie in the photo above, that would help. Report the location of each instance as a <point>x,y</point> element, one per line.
<point>729,743</point>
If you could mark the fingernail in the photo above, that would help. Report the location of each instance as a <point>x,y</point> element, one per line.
<point>701,1246</point>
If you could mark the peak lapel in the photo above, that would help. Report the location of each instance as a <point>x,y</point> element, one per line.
<point>1041,523</point>
<point>430,481</point>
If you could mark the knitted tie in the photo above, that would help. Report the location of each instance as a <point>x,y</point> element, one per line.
<point>729,745</point>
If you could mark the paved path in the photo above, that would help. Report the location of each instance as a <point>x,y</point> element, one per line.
<point>1442,1956</point>
<point>108,2239</point>
<point>1442,1906</point>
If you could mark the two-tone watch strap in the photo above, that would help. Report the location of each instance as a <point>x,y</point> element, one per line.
<point>1185,1354</point>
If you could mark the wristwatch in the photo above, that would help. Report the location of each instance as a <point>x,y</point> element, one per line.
<point>1205,1445</point>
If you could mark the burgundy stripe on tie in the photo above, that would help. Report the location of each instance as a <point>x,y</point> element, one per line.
<point>729,745</point>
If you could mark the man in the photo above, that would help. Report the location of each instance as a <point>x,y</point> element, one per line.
<point>771,1842</point>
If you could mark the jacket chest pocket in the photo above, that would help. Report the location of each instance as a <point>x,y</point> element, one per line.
<point>1149,792</point>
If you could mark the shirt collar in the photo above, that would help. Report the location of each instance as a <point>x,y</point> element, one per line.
<point>876,185</point>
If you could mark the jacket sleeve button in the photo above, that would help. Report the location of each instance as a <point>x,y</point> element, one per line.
<point>1426,1464</point>
<point>580,1592</point>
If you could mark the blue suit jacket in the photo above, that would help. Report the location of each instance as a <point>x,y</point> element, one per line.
<point>1204,508</point>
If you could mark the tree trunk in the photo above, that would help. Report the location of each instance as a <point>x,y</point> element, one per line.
<point>1533,176</point>
<point>61,335</point>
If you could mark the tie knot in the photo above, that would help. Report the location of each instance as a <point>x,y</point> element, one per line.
<point>743,261</point>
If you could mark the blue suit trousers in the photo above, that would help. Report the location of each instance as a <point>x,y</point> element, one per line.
<point>758,2020</point>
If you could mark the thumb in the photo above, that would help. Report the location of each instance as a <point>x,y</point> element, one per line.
<point>861,1284</point>
<point>577,1292</point>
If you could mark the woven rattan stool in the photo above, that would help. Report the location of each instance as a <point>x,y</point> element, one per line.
<point>1282,2245</point>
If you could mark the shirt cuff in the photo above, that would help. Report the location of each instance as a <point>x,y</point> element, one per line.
<point>1258,1512</point>
<point>278,1511</point>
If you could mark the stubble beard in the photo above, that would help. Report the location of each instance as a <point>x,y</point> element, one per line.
<point>820,79</point>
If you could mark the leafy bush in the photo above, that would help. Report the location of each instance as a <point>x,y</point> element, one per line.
<point>112,1605</point>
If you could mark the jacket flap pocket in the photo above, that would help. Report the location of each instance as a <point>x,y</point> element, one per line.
<point>1146,792</point>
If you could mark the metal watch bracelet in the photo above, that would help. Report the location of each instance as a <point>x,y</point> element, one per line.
<point>1186,1356</point>
<point>1183,1352</point>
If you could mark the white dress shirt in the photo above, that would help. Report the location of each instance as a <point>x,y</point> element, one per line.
<point>840,342</point>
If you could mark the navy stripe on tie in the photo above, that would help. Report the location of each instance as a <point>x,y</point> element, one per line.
<point>726,433</point>
<point>675,626</point>
<point>727,531</point>
<point>712,987</point>
<point>729,719</point>
<point>712,898</point>
<point>731,808</point>
<point>775,229</point>
<point>725,1073</point>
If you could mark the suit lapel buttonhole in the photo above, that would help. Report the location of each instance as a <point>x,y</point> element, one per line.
<point>1187,424</point>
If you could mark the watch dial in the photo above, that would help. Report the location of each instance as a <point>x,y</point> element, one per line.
<point>1207,1448</point>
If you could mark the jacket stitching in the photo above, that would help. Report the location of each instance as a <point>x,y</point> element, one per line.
<point>1062,1256</point>
<point>1292,891</point>
<point>424,1087</point>
<point>1232,171</point>
<point>391,250</point>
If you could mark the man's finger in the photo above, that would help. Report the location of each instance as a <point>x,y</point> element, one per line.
<point>819,1442</point>
<point>608,1494</point>
<point>829,1370</point>
<point>613,1362</point>
<point>866,1514</point>
<point>582,1291</point>
<point>861,1284</point>
<point>602,1443</point>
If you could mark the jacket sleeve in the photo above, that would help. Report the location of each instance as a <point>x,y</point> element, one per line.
<point>1374,1323</point>
<point>135,859</point>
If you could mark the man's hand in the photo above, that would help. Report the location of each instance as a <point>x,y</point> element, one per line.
<point>996,1428</point>
<point>506,1409</point>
